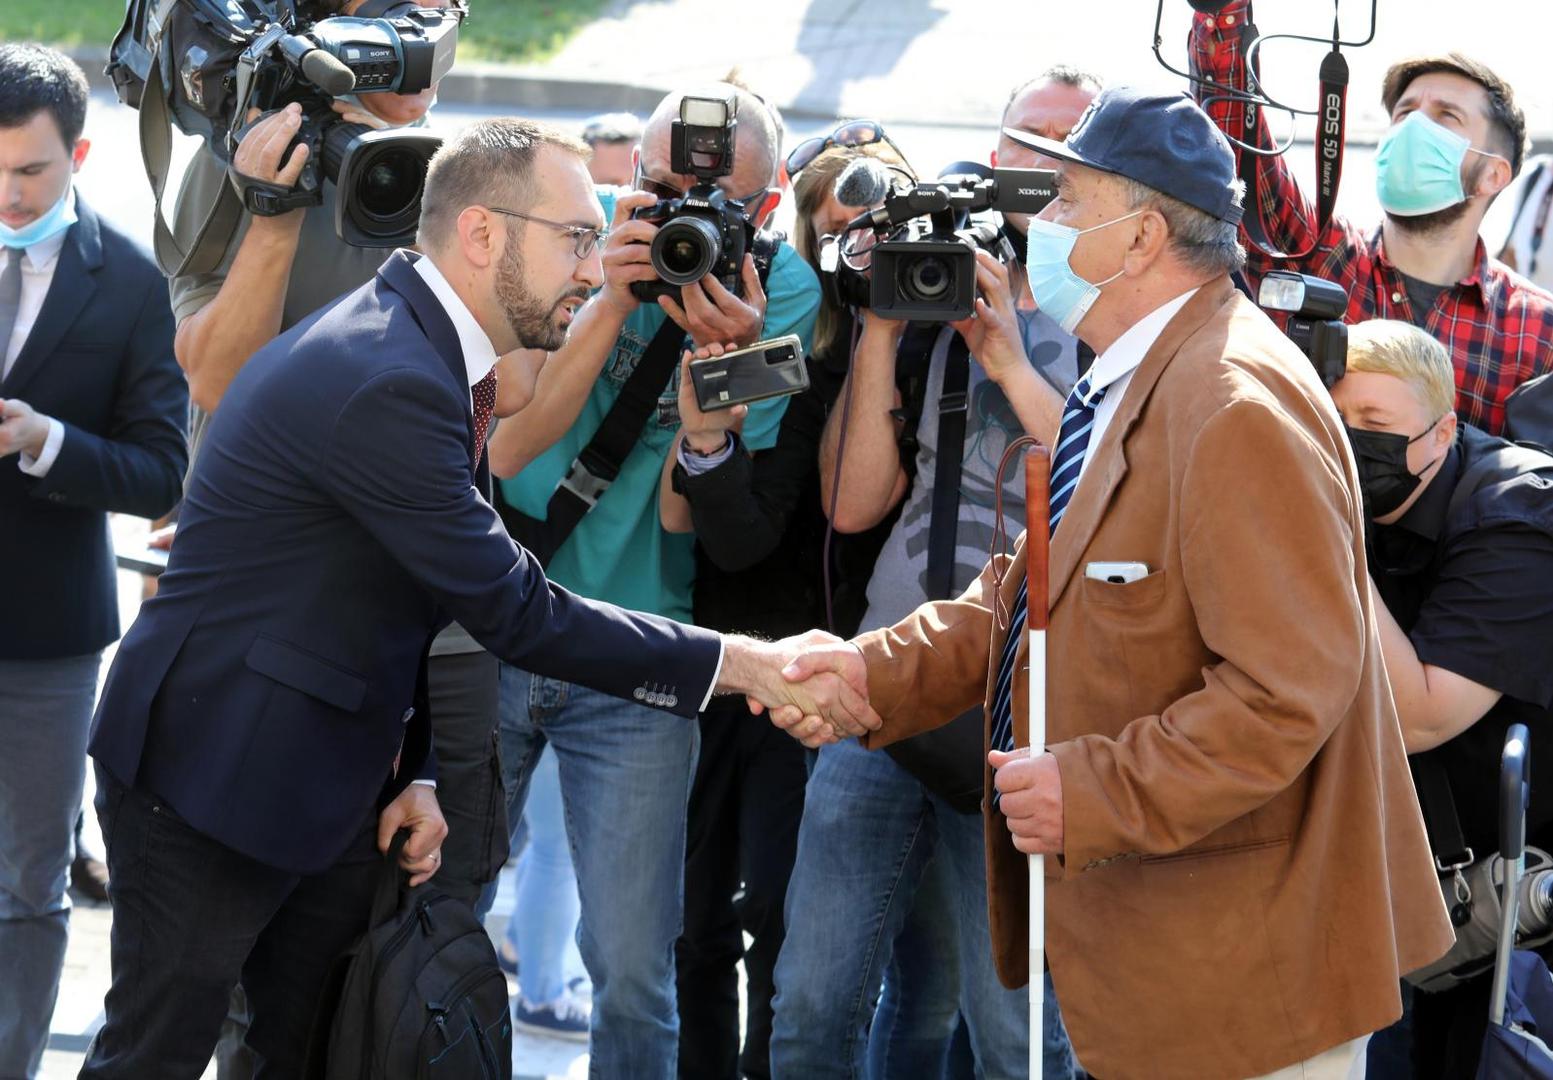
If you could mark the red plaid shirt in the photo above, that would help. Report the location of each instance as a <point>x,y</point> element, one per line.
<point>1497,325</point>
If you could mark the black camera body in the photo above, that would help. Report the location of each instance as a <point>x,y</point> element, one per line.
<point>927,272</point>
<point>284,58</point>
<point>1315,308</point>
<point>703,231</point>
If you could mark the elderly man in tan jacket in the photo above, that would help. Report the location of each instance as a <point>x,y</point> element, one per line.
<point>1241,873</point>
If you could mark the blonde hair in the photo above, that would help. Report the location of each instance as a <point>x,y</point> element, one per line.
<point>1402,350</point>
<point>811,188</point>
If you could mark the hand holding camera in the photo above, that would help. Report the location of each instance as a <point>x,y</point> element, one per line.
<point>261,155</point>
<point>992,331</point>
<point>710,313</point>
<point>626,253</point>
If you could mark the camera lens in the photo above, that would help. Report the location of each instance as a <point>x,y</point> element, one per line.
<point>925,279</point>
<point>391,185</point>
<point>685,250</point>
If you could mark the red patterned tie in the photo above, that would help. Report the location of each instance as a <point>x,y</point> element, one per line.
<point>484,395</point>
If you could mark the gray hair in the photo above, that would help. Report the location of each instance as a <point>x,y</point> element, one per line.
<point>1200,240</point>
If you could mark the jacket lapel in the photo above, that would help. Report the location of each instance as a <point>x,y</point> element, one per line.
<point>73,287</point>
<point>399,273</point>
<point>1109,457</point>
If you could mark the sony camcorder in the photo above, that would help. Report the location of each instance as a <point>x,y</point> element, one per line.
<point>923,267</point>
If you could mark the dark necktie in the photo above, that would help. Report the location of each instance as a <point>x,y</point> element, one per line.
<point>484,395</point>
<point>1078,420</point>
<point>10,300</point>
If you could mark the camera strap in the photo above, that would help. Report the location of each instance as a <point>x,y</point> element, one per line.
<point>598,465</point>
<point>1446,841</point>
<point>1331,130</point>
<point>221,220</point>
<point>943,523</point>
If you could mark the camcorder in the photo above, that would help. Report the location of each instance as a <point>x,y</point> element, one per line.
<point>1315,308</point>
<point>224,58</point>
<point>923,267</point>
<point>763,370</point>
<point>703,231</point>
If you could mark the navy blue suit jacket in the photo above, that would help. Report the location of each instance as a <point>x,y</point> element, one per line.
<point>333,524</point>
<point>99,359</point>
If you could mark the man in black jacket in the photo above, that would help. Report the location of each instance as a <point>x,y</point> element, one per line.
<point>1461,557</point>
<point>92,415</point>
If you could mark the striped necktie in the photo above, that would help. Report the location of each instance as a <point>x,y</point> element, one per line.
<point>1078,420</point>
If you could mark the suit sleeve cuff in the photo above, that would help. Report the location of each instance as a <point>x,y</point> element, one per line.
<point>40,465</point>
<point>717,673</point>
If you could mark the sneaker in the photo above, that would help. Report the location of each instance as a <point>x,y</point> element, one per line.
<point>564,1018</point>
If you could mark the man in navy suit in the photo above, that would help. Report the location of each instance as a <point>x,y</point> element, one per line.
<point>92,415</point>
<point>258,740</point>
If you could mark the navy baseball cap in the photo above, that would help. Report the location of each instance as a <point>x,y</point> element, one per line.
<point>1162,140</point>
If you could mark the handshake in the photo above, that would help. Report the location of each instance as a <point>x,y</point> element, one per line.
<point>814,686</point>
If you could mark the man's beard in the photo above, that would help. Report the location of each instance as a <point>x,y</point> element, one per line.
<point>1441,220</point>
<point>532,320</point>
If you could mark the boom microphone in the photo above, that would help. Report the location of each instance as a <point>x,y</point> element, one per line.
<point>325,71</point>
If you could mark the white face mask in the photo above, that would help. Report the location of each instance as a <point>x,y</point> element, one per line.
<point>1058,291</point>
<point>54,221</point>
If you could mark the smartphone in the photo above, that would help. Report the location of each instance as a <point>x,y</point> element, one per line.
<point>1117,573</point>
<point>766,369</point>
<point>141,559</point>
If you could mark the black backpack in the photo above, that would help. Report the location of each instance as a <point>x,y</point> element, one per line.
<point>419,997</point>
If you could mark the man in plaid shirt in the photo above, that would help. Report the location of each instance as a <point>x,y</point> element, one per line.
<point>1425,263</point>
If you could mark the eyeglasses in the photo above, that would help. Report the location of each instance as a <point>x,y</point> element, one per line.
<point>585,238</point>
<point>850,133</point>
<point>667,192</point>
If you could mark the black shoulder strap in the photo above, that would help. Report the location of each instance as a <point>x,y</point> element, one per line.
<point>595,469</point>
<point>944,523</point>
<point>1446,841</point>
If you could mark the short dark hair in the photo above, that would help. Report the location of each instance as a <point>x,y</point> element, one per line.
<point>488,161</point>
<point>1505,116</point>
<point>34,79</point>
<point>1065,74</point>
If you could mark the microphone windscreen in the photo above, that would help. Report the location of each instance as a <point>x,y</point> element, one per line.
<point>327,73</point>
<point>865,182</point>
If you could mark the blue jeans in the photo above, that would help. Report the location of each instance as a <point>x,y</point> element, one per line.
<point>45,710</point>
<point>543,926</point>
<point>625,781</point>
<point>867,850</point>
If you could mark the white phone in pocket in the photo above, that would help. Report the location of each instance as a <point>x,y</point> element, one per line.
<point>1116,573</point>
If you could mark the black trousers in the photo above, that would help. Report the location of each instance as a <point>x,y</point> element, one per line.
<point>745,806</point>
<point>192,918</point>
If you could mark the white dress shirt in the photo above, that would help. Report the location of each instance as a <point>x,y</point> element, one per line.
<point>480,358</point>
<point>1114,367</point>
<point>38,264</point>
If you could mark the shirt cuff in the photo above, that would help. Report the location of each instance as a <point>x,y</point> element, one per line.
<point>40,465</point>
<point>696,464</point>
<point>429,783</point>
<point>717,672</point>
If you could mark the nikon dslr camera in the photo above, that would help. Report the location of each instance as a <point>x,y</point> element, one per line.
<point>703,231</point>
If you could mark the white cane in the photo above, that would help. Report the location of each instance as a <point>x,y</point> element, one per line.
<point>1037,532</point>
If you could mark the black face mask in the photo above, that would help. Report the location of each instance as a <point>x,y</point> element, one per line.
<point>1385,481</point>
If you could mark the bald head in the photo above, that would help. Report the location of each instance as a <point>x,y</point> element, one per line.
<point>755,148</point>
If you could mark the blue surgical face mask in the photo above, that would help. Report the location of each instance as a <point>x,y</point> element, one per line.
<point>1418,167</point>
<point>1058,291</point>
<point>56,220</point>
